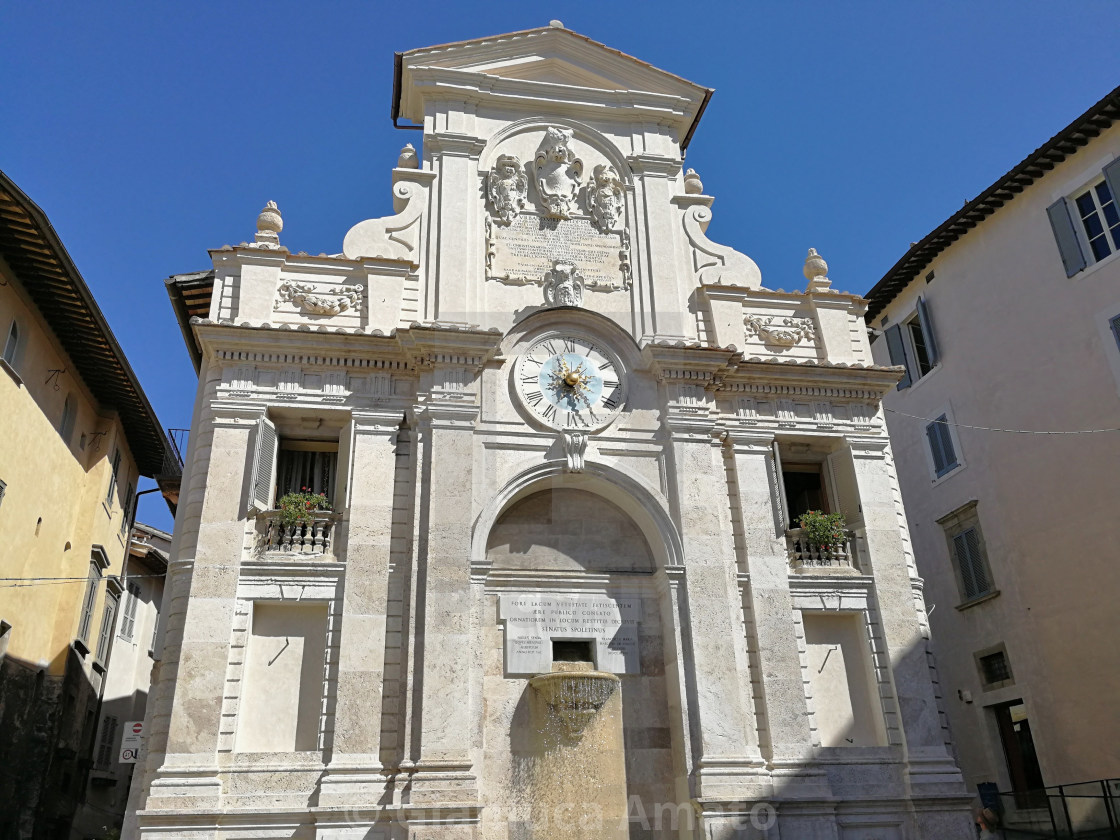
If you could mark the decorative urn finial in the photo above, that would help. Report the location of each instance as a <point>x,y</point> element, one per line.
<point>408,158</point>
<point>269,225</point>
<point>692,183</point>
<point>816,272</point>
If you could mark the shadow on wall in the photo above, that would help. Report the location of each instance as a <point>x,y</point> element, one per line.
<point>47,726</point>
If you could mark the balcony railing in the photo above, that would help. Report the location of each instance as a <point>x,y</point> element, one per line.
<point>802,555</point>
<point>315,537</point>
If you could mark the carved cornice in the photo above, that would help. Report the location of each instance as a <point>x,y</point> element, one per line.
<point>454,144</point>
<point>435,345</point>
<point>656,165</point>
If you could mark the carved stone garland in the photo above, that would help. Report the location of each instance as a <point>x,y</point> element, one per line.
<point>310,303</point>
<point>784,332</point>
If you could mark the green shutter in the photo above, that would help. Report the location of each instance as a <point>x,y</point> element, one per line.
<point>897,351</point>
<point>1066,236</point>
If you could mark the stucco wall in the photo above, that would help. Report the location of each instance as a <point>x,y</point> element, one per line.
<point>1023,347</point>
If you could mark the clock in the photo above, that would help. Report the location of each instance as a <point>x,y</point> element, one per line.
<point>570,381</point>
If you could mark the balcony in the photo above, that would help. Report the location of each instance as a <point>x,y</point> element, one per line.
<point>315,538</point>
<point>803,556</point>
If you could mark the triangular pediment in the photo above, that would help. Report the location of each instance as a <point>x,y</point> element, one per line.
<point>548,56</point>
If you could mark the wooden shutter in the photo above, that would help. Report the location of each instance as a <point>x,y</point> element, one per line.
<point>897,352</point>
<point>934,438</point>
<point>87,603</point>
<point>105,636</point>
<point>927,332</point>
<point>1114,323</point>
<point>108,741</point>
<point>946,442</point>
<point>264,466</point>
<point>1066,236</point>
<point>128,617</point>
<point>974,577</point>
<point>341,498</point>
<point>1112,178</point>
<point>783,504</point>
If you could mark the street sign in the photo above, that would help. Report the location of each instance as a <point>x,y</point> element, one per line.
<point>130,741</point>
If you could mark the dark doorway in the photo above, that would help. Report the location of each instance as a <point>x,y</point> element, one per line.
<point>1018,749</point>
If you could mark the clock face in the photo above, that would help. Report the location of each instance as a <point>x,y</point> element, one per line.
<point>570,382</point>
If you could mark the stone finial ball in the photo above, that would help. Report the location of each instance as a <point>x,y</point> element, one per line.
<point>269,221</point>
<point>692,183</point>
<point>408,158</point>
<point>555,24</point>
<point>815,266</point>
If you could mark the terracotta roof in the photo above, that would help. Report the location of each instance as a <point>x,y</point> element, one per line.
<point>1055,150</point>
<point>32,248</point>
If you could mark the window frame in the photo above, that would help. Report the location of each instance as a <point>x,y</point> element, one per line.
<point>105,632</point>
<point>68,420</point>
<point>979,655</point>
<point>115,466</point>
<point>957,523</point>
<point>950,426</point>
<point>11,352</point>
<point>1112,237</point>
<point>89,601</point>
<point>920,319</point>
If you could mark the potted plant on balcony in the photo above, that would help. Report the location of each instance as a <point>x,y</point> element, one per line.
<point>300,507</point>
<point>823,531</point>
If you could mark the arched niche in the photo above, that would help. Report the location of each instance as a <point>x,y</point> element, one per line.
<point>628,494</point>
<point>565,529</point>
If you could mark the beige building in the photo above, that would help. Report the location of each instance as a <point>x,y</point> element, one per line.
<point>76,434</point>
<point>560,590</point>
<point>1007,317</point>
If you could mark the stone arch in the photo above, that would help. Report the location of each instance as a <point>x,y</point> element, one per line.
<point>627,491</point>
<point>580,131</point>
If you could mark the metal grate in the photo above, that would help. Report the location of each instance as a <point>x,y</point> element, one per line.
<point>995,668</point>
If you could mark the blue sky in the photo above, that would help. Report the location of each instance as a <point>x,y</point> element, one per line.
<point>150,132</point>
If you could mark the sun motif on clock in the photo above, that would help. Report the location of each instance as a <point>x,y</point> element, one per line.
<point>570,382</point>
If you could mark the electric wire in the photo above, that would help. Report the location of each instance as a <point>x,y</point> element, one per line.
<point>993,429</point>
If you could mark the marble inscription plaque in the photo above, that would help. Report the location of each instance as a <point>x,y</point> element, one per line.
<point>534,620</point>
<point>525,251</point>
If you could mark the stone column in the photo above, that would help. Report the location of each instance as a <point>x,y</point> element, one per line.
<point>932,770</point>
<point>787,709</point>
<point>666,301</point>
<point>353,776</point>
<point>198,645</point>
<point>724,735</point>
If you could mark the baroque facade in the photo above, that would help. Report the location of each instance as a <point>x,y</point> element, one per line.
<point>565,439</point>
<point>1010,526</point>
<point>78,433</point>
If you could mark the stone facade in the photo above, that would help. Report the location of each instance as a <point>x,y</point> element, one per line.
<point>554,420</point>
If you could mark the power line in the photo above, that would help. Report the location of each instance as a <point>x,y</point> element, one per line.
<point>991,429</point>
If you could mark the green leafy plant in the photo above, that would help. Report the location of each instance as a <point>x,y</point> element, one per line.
<point>823,530</point>
<point>297,508</point>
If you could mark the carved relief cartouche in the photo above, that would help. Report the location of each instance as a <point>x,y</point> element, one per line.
<point>507,187</point>
<point>558,173</point>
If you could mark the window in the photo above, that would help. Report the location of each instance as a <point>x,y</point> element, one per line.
<point>11,345</point>
<point>1114,323</point>
<point>87,603</point>
<point>305,463</point>
<point>804,490</point>
<point>116,466</point>
<point>912,345</point>
<point>105,636</point>
<point>66,424</point>
<point>941,446</point>
<point>1086,225</point>
<point>968,554</point>
<point>994,668</point>
<point>126,510</point>
<point>1099,220</point>
<point>128,617</point>
<point>107,743</point>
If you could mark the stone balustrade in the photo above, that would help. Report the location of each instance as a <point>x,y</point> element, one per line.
<point>313,537</point>
<point>802,555</point>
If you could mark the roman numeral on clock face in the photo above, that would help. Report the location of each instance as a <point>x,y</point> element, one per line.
<point>549,411</point>
<point>533,397</point>
<point>568,345</point>
<point>611,401</point>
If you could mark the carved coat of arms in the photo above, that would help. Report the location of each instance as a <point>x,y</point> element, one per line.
<point>506,187</point>
<point>605,197</point>
<point>563,285</point>
<point>558,172</point>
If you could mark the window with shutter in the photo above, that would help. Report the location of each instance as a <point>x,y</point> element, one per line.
<point>929,340</point>
<point>970,562</point>
<point>126,511</point>
<point>1100,220</point>
<point>1069,246</point>
<point>107,743</point>
<point>897,351</point>
<point>264,466</point>
<point>1114,322</point>
<point>115,466</point>
<point>128,617</point>
<point>105,636</point>
<point>11,345</point>
<point>66,424</point>
<point>87,603</point>
<point>941,446</point>
<point>306,465</point>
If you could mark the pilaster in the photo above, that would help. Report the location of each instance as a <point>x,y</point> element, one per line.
<point>667,304</point>
<point>353,775</point>
<point>728,764</point>
<point>931,767</point>
<point>189,775</point>
<point>771,605</point>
